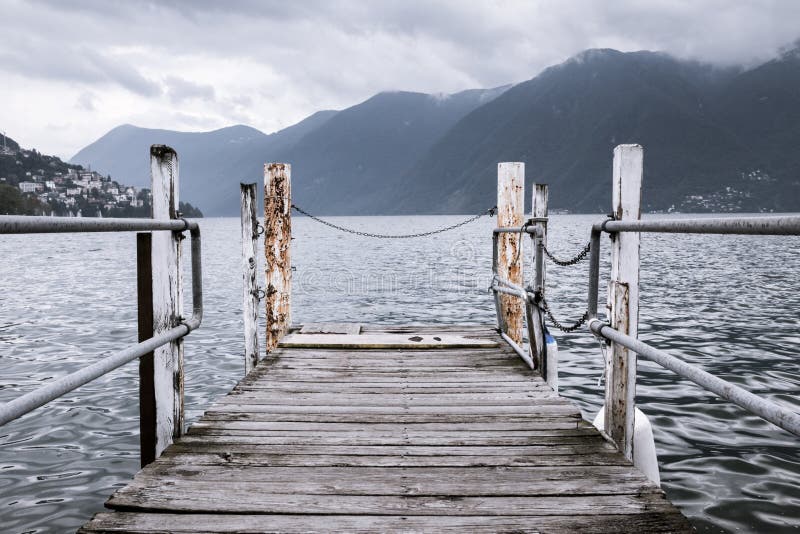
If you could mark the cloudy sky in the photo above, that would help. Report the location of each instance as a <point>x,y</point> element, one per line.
<point>70,70</point>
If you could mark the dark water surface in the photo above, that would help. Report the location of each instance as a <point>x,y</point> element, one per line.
<point>728,304</point>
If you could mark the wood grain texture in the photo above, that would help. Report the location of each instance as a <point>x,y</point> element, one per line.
<point>277,250</point>
<point>321,440</point>
<point>539,209</point>
<point>167,298</point>
<point>623,298</point>
<point>510,212</point>
<point>249,226</point>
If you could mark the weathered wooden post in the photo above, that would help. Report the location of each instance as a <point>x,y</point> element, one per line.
<point>278,232</point>
<point>510,208</point>
<point>623,298</point>
<point>250,287</point>
<point>539,210</point>
<point>165,419</point>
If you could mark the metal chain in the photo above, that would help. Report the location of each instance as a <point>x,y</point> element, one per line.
<point>566,263</point>
<point>490,212</point>
<point>566,329</point>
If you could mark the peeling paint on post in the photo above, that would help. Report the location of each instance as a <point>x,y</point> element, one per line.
<point>510,206</point>
<point>167,299</point>
<point>278,236</point>
<point>539,205</point>
<point>623,299</point>
<point>249,268</point>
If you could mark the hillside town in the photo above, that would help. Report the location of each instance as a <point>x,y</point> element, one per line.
<point>32,183</point>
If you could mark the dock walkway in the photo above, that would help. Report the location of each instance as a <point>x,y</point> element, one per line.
<point>378,435</point>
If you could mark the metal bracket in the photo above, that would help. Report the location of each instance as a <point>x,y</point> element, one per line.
<point>258,293</point>
<point>260,230</point>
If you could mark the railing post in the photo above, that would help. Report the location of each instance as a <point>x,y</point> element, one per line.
<point>510,206</point>
<point>250,287</point>
<point>278,225</point>
<point>623,298</point>
<point>167,377</point>
<point>539,209</point>
<point>147,400</point>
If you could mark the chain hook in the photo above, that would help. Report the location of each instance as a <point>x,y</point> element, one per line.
<point>258,293</point>
<point>260,230</point>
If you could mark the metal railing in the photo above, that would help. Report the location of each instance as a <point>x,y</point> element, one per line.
<point>621,330</point>
<point>501,286</point>
<point>782,225</point>
<point>26,225</point>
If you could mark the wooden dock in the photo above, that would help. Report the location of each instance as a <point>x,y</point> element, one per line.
<point>447,432</point>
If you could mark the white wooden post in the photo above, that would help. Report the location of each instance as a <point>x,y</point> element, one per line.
<point>623,299</point>
<point>510,209</point>
<point>278,232</point>
<point>250,287</point>
<point>539,209</point>
<point>167,299</point>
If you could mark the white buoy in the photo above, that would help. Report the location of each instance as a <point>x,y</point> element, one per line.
<point>552,361</point>
<point>644,445</point>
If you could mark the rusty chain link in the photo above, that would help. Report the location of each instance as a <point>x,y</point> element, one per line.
<point>490,212</point>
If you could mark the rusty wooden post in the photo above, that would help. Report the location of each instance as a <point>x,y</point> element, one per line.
<point>623,299</point>
<point>249,264</point>
<point>539,210</point>
<point>278,266</point>
<point>510,206</point>
<point>167,377</point>
<point>144,298</point>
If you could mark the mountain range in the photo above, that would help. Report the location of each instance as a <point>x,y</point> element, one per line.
<point>715,139</point>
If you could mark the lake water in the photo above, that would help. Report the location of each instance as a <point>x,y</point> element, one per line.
<point>728,304</point>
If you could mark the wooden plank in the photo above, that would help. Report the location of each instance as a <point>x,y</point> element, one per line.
<point>539,426</point>
<point>385,418</point>
<point>656,521</point>
<point>352,329</point>
<point>277,249</point>
<point>167,298</point>
<point>623,297</point>
<point>383,341</point>
<point>439,481</point>
<point>566,455</point>
<point>253,446</point>
<point>464,409</point>
<point>366,440</point>
<point>377,388</point>
<point>389,379</point>
<point>331,399</point>
<point>243,499</point>
<point>249,226</point>
<point>546,427</point>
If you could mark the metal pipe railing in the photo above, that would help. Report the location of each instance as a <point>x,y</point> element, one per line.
<point>594,273</point>
<point>24,224</point>
<point>14,225</point>
<point>775,414</point>
<point>519,350</point>
<point>524,229</point>
<point>782,225</point>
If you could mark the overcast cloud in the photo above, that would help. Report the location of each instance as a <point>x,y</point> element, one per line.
<point>70,70</point>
